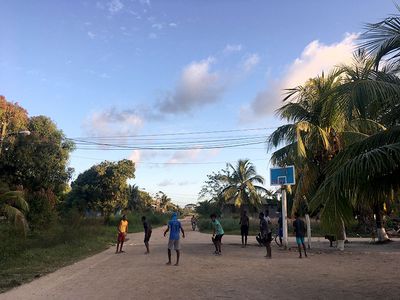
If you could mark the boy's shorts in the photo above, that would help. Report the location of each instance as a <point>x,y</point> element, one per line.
<point>244,230</point>
<point>300,240</point>
<point>174,244</point>
<point>147,237</point>
<point>218,237</point>
<point>121,237</point>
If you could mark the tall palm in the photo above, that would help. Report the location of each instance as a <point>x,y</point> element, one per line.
<point>369,101</point>
<point>242,188</point>
<point>14,208</point>
<point>310,139</point>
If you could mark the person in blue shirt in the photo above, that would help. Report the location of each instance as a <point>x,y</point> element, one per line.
<point>174,228</point>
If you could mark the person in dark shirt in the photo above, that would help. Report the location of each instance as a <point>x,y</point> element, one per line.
<point>244,228</point>
<point>299,229</point>
<point>266,235</point>
<point>147,233</point>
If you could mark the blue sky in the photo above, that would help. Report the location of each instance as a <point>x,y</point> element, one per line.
<point>137,67</point>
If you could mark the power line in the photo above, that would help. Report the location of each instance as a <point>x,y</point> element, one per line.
<point>170,163</point>
<point>178,133</point>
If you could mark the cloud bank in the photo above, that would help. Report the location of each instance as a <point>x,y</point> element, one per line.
<point>315,58</point>
<point>197,86</point>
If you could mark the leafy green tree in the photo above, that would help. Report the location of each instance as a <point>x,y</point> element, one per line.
<point>103,187</point>
<point>13,118</point>
<point>242,188</point>
<point>38,161</point>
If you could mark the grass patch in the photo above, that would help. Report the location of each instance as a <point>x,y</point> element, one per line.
<point>42,252</point>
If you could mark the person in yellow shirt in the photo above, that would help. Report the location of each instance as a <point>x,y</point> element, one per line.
<point>122,232</point>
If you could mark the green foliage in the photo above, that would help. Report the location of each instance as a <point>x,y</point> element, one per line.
<point>241,185</point>
<point>38,161</point>
<point>206,208</point>
<point>103,187</point>
<point>14,208</point>
<point>42,213</point>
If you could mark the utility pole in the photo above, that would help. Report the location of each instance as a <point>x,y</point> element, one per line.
<point>284,218</point>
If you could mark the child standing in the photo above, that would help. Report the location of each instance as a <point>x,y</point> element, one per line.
<point>147,233</point>
<point>265,234</point>
<point>218,233</point>
<point>299,229</point>
<point>122,232</point>
<point>174,227</point>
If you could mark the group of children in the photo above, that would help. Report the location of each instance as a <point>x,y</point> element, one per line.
<point>175,229</point>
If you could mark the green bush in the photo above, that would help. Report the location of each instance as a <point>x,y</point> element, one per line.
<point>42,212</point>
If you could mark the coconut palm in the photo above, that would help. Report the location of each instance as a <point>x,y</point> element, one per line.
<point>382,39</point>
<point>242,188</point>
<point>311,139</point>
<point>14,208</point>
<point>366,172</point>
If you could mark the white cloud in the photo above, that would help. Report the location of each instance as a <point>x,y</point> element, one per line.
<point>165,183</point>
<point>233,48</point>
<point>185,156</point>
<point>315,58</point>
<point>145,2</point>
<point>172,24</point>
<point>135,156</point>
<point>198,86</point>
<point>251,61</point>
<point>113,121</point>
<point>152,36</point>
<point>91,35</point>
<point>158,26</point>
<point>114,6</point>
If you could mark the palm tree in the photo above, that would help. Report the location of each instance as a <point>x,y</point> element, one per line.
<point>14,208</point>
<point>366,172</point>
<point>311,138</point>
<point>242,188</point>
<point>382,39</point>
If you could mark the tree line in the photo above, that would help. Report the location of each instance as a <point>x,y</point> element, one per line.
<point>35,179</point>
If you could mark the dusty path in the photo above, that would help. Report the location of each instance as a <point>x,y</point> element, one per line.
<point>362,271</point>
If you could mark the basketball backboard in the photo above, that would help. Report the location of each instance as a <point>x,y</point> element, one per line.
<point>283,176</point>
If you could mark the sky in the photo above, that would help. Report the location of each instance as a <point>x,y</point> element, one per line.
<point>198,74</point>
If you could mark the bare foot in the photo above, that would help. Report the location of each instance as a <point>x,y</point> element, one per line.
<point>168,263</point>
<point>176,264</point>
<point>121,251</point>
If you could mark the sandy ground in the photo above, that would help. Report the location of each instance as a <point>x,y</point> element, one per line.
<point>363,271</point>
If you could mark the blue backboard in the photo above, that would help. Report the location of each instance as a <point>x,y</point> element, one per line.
<point>283,176</point>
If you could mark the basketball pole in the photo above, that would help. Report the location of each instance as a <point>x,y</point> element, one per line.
<point>284,218</point>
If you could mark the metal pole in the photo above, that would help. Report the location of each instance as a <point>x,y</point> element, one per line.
<point>284,218</point>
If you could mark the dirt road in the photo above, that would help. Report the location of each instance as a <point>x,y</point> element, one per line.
<point>362,271</point>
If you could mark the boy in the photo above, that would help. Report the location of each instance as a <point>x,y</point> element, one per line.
<point>218,233</point>
<point>122,232</point>
<point>299,229</point>
<point>244,228</point>
<point>266,234</point>
<point>147,234</point>
<point>174,227</point>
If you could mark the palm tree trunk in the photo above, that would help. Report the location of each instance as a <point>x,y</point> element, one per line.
<point>380,229</point>
<point>341,237</point>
